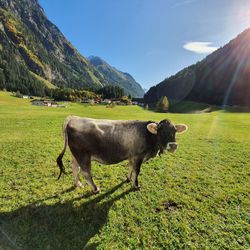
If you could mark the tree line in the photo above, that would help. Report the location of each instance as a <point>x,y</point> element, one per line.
<point>67,94</point>
<point>162,105</point>
<point>15,75</point>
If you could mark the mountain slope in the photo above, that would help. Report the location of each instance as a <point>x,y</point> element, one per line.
<point>222,78</point>
<point>116,77</point>
<point>35,44</point>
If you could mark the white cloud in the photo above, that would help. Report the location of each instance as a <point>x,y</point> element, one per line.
<point>200,47</point>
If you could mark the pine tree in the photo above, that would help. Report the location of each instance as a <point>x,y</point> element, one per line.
<point>162,105</point>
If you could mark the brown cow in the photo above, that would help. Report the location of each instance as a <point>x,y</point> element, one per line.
<point>113,141</point>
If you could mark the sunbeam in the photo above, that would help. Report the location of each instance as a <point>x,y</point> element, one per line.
<point>241,59</point>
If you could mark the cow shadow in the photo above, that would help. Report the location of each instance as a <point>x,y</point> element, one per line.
<point>57,226</point>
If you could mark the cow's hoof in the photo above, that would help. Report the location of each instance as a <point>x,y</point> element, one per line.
<point>128,180</point>
<point>137,188</point>
<point>97,190</point>
<point>78,184</point>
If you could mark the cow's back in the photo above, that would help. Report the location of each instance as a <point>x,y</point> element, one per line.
<point>107,141</point>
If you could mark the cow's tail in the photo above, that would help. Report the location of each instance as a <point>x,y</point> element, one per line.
<point>59,158</point>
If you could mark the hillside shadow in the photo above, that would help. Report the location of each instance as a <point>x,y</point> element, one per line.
<point>57,226</point>
<point>236,109</point>
<point>187,107</point>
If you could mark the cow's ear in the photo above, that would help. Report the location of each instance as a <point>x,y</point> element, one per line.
<point>181,128</point>
<point>152,128</point>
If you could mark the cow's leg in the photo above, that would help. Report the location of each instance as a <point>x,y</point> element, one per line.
<point>136,168</point>
<point>75,172</point>
<point>130,170</point>
<point>85,166</point>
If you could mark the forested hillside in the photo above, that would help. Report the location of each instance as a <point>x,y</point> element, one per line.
<point>117,77</point>
<point>29,42</point>
<point>222,78</point>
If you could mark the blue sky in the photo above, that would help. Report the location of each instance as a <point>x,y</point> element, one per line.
<point>150,39</point>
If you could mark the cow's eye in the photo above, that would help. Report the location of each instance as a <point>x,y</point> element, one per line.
<point>173,135</point>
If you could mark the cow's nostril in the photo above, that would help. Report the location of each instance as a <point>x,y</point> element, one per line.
<point>173,146</point>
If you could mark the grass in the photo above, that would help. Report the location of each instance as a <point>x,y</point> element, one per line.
<point>44,81</point>
<point>197,198</point>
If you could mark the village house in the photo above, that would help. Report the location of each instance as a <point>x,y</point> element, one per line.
<point>19,95</point>
<point>134,103</point>
<point>91,101</point>
<point>106,101</point>
<point>37,102</point>
<point>41,102</point>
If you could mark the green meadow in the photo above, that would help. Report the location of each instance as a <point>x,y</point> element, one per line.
<point>197,198</point>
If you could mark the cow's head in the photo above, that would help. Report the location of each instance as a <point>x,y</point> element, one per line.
<point>165,131</point>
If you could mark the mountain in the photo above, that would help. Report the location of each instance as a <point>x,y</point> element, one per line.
<point>222,78</point>
<point>34,53</point>
<point>116,77</point>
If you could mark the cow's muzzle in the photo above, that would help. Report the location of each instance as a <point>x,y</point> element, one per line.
<point>172,146</point>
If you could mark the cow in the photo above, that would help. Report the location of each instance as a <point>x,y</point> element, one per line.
<point>113,141</point>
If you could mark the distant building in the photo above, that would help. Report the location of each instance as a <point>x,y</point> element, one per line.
<point>37,102</point>
<point>19,95</point>
<point>48,103</point>
<point>98,100</point>
<point>106,101</point>
<point>138,101</point>
<point>91,101</point>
